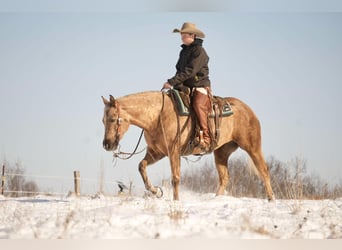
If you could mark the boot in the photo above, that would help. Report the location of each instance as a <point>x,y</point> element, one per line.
<point>201,104</point>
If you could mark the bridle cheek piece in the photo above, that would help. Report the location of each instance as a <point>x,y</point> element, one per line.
<point>118,129</point>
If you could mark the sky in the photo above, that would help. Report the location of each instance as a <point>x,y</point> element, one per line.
<point>55,66</point>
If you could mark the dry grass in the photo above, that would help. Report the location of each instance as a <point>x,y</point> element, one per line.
<point>176,213</point>
<point>289,180</point>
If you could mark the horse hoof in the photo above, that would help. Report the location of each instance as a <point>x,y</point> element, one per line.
<point>271,198</point>
<point>160,192</point>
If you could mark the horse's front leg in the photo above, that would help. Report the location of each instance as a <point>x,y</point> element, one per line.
<point>150,158</point>
<point>175,170</point>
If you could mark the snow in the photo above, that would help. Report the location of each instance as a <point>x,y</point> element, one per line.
<point>194,216</point>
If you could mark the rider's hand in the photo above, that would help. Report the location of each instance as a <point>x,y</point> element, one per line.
<point>167,86</point>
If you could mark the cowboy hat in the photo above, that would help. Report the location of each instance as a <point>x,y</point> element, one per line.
<point>190,28</point>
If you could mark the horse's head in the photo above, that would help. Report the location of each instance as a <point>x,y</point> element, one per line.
<point>113,123</point>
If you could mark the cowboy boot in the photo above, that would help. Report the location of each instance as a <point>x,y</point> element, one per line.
<point>201,105</point>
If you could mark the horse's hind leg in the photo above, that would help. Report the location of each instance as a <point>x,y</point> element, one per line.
<point>221,160</point>
<point>150,158</point>
<point>263,172</point>
<point>249,139</point>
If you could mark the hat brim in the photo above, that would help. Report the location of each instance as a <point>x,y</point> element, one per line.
<point>197,32</point>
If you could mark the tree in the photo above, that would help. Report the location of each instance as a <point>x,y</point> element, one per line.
<point>289,180</point>
<point>15,183</point>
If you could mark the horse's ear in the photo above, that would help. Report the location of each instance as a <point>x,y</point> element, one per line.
<point>112,101</point>
<point>105,101</point>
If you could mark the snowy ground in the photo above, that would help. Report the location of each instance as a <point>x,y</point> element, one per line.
<point>195,216</point>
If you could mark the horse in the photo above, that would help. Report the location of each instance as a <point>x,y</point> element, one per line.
<point>155,113</point>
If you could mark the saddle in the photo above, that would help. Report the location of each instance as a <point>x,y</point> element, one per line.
<point>182,102</point>
<point>220,108</point>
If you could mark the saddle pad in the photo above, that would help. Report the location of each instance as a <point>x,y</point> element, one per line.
<point>184,109</point>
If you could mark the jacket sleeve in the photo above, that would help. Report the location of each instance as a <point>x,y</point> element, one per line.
<point>191,69</point>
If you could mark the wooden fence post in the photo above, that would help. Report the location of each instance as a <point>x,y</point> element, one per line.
<point>77,183</point>
<point>130,188</point>
<point>3,180</point>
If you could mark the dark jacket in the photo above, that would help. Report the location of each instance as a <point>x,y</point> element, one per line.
<point>192,66</point>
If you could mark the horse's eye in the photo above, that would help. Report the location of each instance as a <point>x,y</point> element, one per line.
<point>112,120</point>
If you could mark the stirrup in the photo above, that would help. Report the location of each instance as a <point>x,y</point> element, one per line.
<point>204,145</point>
<point>199,139</point>
<point>201,143</point>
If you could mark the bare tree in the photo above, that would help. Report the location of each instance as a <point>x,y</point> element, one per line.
<point>289,180</point>
<point>16,183</point>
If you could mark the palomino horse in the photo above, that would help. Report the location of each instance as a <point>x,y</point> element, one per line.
<point>154,112</point>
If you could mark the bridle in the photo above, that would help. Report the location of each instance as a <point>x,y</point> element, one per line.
<point>118,122</point>
<point>118,153</point>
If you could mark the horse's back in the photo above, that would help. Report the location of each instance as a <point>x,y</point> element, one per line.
<point>244,116</point>
<point>237,104</point>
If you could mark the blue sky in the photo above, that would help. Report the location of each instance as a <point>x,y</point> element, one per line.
<point>54,67</point>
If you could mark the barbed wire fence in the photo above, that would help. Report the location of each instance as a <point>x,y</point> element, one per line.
<point>60,185</point>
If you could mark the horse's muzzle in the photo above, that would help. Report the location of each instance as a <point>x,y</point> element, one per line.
<point>108,145</point>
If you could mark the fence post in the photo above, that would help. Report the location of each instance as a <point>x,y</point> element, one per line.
<point>3,180</point>
<point>77,183</point>
<point>130,188</point>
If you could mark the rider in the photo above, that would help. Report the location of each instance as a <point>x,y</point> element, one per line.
<point>193,72</point>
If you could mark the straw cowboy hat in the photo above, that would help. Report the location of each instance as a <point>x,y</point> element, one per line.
<point>190,28</point>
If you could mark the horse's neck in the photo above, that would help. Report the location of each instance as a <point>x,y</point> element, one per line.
<point>142,109</point>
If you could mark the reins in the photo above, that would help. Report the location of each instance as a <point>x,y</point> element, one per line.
<point>118,153</point>
<point>178,135</point>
